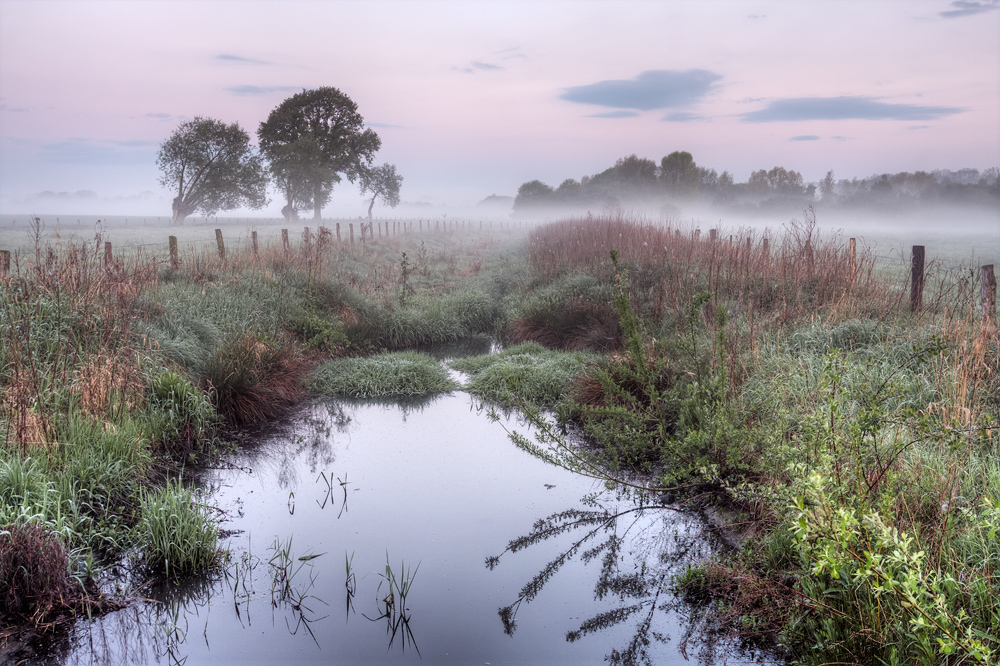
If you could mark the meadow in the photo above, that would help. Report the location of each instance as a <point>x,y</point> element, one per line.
<point>849,438</point>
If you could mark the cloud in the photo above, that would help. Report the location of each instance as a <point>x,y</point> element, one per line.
<point>970,8</point>
<point>843,108</point>
<point>228,57</point>
<point>159,116</point>
<point>805,137</point>
<point>615,114</point>
<point>261,90</point>
<point>510,53</point>
<point>653,89</point>
<point>918,127</point>
<point>839,138</point>
<point>13,109</point>
<point>681,117</point>
<point>480,66</point>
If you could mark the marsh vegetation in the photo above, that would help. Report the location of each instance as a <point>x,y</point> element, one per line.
<point>845,442</point>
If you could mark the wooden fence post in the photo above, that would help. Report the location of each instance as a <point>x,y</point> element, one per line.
<point>713,234</point>
<point>4,263</point>
<point>305,238</point>
<point>338,232</point>
<point>107,253</point>
<point>253,239</point>
<point>284,240</point>
<point>988,292</point>
<point>218,241</point>
<point>352,233</point>
<point>172,242</point>
<point>916,278</point>
<point>853,266</point>
<point>765,249</point>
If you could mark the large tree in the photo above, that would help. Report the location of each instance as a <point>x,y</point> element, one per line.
<point>212,167</point>
<point>679,174</point>
<point>382,183</point>
<point>312,140</point>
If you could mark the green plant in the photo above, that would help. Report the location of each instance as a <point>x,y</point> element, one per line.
<point>175,533</point>
<point>388,374</point>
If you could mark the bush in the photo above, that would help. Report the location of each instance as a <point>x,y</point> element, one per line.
<point>384,375</point>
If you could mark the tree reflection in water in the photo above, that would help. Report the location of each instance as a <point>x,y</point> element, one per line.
<point>640,546</point>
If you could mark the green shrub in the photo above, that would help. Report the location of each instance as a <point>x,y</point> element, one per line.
<point>384,375</point>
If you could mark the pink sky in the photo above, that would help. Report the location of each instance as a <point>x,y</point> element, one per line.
<point>473,98</point>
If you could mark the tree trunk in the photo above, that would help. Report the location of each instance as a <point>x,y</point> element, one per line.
<point>370,206</point>
<point>317,207</point>
<point>180,211</point>
<point>288,212</point>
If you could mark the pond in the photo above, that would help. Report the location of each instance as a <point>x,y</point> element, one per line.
<point>493,556</point>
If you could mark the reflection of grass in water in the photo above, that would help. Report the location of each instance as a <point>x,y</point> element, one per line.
<point>610,536</point>
<point>384,375</point>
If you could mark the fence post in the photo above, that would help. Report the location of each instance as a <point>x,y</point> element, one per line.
<point>766,251</point>
<point>107,253</point>
<point>305,238</point>
<point>172,242</point>
<point>253,239</point>
<point>338,232</point>
<point>987,292</point>
<point>809,257</point>
<point>4,263</point>
<point>218,241</point>
<point>284,240</point>
<point>853,259</point>
<point>713,234</point>
<point>352,233</point>
<point>916,278</point>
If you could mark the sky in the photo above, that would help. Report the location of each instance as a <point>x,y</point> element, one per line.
<point>473,97</point>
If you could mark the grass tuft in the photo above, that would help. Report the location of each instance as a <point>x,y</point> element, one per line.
<point>384,375</point>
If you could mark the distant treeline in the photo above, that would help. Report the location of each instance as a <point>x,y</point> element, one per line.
<point>639,182</point>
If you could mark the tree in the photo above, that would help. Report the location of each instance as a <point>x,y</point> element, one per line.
<point>532,194</point>
<point>826,187</point>
<point>679,175</point>
<point>312,139</point>
<point>212,167</point>
<point>382,182</point>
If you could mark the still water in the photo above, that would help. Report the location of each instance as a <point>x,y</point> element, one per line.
<point>506,558</point>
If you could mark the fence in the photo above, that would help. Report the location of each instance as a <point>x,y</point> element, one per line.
<point>391,228</point>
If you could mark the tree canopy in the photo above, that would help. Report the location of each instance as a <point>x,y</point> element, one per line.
<point>212,167</point>
<point>382,183</point>
<point>312,140</point>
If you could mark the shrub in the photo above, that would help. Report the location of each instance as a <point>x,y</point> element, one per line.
<point>384,375</point>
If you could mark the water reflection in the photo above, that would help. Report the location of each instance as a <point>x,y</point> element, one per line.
<point>440,486</point>
<point>638,548</point>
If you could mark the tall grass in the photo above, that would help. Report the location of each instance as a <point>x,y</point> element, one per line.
<point>177,533</point>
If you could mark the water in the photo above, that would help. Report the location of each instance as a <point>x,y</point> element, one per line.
<point>438,489</point>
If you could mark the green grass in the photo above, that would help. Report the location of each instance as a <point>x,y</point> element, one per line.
<point>527,373</point>
<point>398,374</point>
<point>176,532</point>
